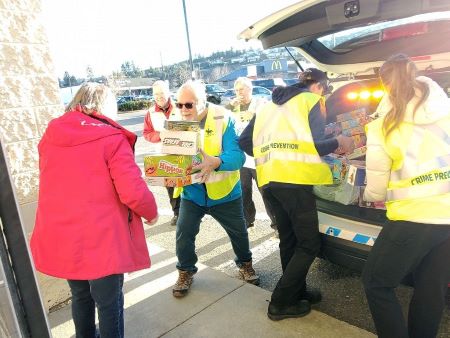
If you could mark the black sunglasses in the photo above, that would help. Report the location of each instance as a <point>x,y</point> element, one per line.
<point>188,105</point>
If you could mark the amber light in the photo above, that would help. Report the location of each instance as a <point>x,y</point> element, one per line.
<point>365,95</point>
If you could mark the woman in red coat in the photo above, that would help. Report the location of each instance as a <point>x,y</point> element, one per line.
<point>91,199</point>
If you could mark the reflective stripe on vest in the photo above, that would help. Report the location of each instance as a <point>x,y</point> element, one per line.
<point>219,183</point>
<point>283,146</point>
<point>418,178</point>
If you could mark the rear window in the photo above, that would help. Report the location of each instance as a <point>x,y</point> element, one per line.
<point>350,39</point>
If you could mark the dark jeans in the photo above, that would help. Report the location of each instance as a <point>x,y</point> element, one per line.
<point>298,227</point>
<point>247,175</point>
<point>107,294</point>
<point>403,248</point>
<point>231,218</point>
<point>174,202</point>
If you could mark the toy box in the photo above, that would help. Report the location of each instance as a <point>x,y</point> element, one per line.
<point>357,153</point>
<point>358,113</point>
<point>353,131</point>
<point>356,173</point>
<point>373,205</point>
<point>180,142</point>
<point>182,125</point>
<point>338,166</point>
<point>175,182</point>
<point>164,165</point>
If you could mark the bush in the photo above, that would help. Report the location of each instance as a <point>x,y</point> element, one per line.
<point>135,105</point>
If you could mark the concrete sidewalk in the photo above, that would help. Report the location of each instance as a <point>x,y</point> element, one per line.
<point>216,306</point>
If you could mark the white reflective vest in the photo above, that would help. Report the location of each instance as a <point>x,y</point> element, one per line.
<point>419,183</point>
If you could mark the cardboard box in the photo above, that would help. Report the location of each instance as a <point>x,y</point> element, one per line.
<point>180,142</point>
<point>359,140</point>
<point>333,129</point>
<point>356,174</point>
<point>357,153</point>
<point>338,166</point>
<point>164,165</point>
<point>182,125</point>
<point>174,182</point>
<point>354,131</point>
<point>351,115</point>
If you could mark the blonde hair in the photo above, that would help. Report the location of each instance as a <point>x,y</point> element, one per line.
<point>398,75</point>
<point>245,81</point>
<point>90,96</point>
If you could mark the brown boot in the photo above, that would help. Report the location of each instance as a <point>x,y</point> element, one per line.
<point>183,284</point>
<point>248,274</point>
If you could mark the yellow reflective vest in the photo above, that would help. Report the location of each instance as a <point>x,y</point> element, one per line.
<point>419,183</point>
<point>283,145</point>
<point>219,183</point>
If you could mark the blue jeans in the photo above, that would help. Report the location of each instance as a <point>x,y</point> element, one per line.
<point>107,294</point>
<point>230,215</point>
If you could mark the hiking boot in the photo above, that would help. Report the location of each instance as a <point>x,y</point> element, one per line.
<point>279,312</point>
<point>174,220</point>
<point>248,274</point>
<point>313,296</point>
<point>183,284</point>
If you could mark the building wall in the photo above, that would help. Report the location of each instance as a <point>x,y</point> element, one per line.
<point>29,98</point>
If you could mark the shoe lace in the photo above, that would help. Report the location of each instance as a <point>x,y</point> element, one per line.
<point>248,269</point>
<point>183,278</point>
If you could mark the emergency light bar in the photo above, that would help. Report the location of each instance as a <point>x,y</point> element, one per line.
<point>365,94</point>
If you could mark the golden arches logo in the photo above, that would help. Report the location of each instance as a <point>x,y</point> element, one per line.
<point>276,65</point>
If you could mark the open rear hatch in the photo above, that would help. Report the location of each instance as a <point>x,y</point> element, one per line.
<point>355,37</point>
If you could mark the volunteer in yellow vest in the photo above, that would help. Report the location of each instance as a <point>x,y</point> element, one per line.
<point>244,106</point>
<point>287,139</point>
<point>408,166</point>
<point>163,110</point>
<point>219,191</point>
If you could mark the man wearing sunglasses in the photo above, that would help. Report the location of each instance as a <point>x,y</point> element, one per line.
<point>154,123</point>
<point>219,191</point>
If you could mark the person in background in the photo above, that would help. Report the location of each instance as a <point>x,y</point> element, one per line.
<point>219,191</point>
<point>287,139</point>
<point>88,226</point>
<point>408,152</point>
<point>244,107</point>
<point>164,109</point>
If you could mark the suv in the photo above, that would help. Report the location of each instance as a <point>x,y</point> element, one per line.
<point>214,93</point>
<point>351,43</point>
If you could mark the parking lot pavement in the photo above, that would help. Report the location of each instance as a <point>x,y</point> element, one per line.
<point>209,310</point>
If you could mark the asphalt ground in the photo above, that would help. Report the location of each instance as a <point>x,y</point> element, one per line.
<point>343,295</point>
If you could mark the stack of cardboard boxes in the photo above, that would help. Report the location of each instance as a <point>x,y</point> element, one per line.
<point>351,169</point>
<point>180,144</point>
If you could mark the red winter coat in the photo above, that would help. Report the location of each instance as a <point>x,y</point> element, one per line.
<point>91,199</point>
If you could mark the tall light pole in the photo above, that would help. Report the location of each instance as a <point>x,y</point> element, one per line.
<point>188,40</point>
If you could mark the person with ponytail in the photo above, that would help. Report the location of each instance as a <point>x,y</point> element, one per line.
<point>408,167</point>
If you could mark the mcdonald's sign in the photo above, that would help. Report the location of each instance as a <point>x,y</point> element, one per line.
<point>276,65</point>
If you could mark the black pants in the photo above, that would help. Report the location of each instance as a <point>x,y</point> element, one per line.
<point>403,248</point>
<point>247,175</point>
<point>298,227</point>
<point>174,202</point>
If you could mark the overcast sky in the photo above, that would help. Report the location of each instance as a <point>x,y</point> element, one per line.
<point>104,34</point>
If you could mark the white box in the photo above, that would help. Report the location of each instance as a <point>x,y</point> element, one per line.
<point>180,142</point>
